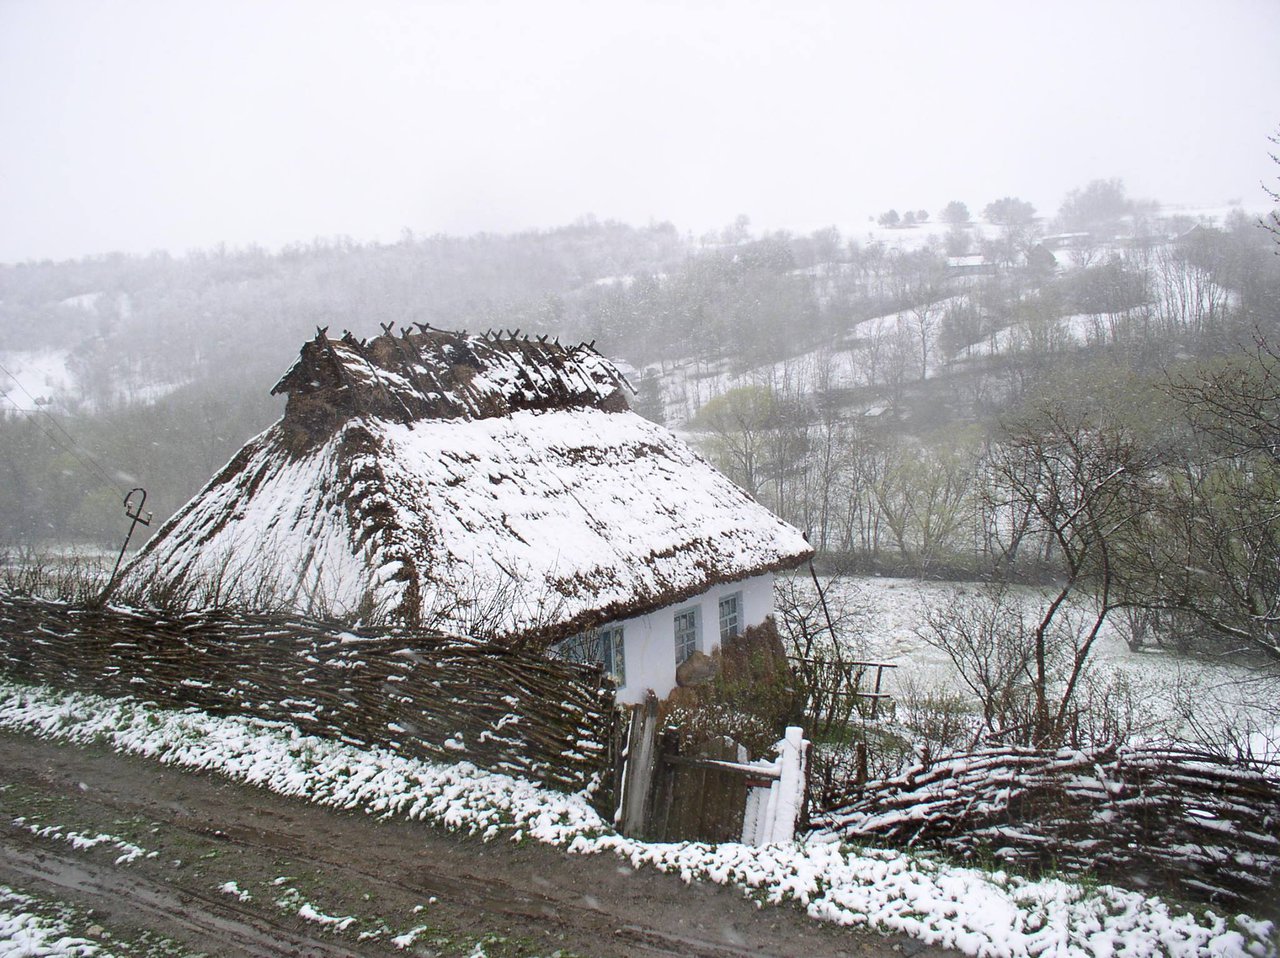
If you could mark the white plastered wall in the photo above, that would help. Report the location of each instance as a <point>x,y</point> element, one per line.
<point>650,640</point>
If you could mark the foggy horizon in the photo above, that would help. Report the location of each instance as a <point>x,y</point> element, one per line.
<point>145,126</point>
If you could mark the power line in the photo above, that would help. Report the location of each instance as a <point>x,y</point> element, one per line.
<point>90,465</point>
<point>70,446</point>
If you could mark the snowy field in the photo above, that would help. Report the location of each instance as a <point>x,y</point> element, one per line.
<point>891,340</point>
<point>974,911</point>
<point>886,612</point>
<point>33,378</point>
<point>26,929</point>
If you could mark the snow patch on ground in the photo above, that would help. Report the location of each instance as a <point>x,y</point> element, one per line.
<point>82,842</point>
<point>981,913</point>
<point>24,933</point>
<point>233,889</point>
<point>309,912</point>
<point>408,938</point>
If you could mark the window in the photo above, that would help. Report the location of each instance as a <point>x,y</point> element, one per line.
<point>686,634</point>
<point>603,647</point>
<point>612,656</point>
<point>730,616</point>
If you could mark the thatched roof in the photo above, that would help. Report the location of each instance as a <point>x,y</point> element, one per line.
<point>477,483</point>
<point>433,374</point>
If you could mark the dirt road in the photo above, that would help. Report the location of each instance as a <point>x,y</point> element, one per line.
<point>175,839</point>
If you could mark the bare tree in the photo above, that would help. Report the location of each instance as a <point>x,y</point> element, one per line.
<point>919,283</point>
<point>1085,482</point>
<point>1214,549</point>
<point>1271,223</point>
<point>924,496</point>
<point>985,634</point>
<point>736,425</point>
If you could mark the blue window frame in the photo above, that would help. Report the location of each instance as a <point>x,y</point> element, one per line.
<point>612,652</point>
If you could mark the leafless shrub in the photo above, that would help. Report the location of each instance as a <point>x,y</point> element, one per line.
<point>987,636</point>
<point>990,637</point>
<point>74,577</point>
<point>821,622</point>
<point>935,720</point>
<point>224,584</point>
<point>1110,708</point>
<point>1240,724</point>
<point>496,611</point>
<point>824,635</point>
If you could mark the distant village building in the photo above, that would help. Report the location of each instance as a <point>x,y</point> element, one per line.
<point>970,264</point>
<point>491,484</point>
<point>1041,260</point>
<point>1067,241</point>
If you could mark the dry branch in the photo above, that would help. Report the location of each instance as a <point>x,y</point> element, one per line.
<point>1138,815</point>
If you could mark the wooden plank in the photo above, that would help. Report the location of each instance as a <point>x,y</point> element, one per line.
<point>723,765</point>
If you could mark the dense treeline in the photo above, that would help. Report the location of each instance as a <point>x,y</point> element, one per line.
<point>163,320</point>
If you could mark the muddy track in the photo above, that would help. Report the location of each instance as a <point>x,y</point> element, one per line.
<point>391,876</point>
<point>237,930</point>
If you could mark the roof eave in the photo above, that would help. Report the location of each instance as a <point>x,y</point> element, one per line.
<point>616,612</point>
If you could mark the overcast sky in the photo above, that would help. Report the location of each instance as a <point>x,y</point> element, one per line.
<point>169,125</point>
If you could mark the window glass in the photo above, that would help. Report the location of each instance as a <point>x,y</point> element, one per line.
<point>612,653</point>
<point>686,634</point>
<point>604,647</point>
<point>730,616</point>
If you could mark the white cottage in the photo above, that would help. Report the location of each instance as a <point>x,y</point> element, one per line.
<point>486,485</point>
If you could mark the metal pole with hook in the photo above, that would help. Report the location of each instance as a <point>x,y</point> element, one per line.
<point>134,512</point>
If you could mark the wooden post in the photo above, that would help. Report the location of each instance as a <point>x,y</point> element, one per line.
<point>792,752</point>
<point>774,811</point>
<point>638,769</point>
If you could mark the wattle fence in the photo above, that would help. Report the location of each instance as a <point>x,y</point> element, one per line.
<point>1143,816</point>
<point>419,694</point>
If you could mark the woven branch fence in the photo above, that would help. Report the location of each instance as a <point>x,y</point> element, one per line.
<point>1155,816</point>
<point>422,695</point>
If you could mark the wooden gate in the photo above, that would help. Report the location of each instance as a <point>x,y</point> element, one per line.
<point>711,793</point>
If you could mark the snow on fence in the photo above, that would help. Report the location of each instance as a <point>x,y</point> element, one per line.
<point>420,694</point>
<point>1144,816</point>
<point>774,810</point>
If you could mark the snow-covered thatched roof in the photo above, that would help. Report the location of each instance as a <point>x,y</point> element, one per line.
<point>477,483</point>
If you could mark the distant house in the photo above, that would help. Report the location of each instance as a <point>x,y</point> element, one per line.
<point>1067,241</point>
<point>1041,260</point>
<point>971,264</point>
<point>1196,235</point>
<point>483,484</point>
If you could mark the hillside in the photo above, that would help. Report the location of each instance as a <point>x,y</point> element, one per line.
<point>158,367</point>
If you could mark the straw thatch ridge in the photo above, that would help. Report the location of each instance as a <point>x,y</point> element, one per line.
<point>435,374</point>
